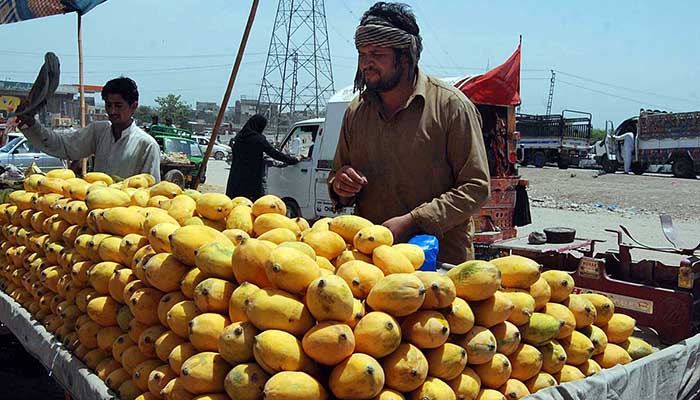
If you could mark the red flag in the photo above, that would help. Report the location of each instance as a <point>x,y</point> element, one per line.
<point>500,86</point>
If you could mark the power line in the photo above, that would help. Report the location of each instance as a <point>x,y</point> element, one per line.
<point>37,54</point>
<point>612,95</point>
<point>628,89</point>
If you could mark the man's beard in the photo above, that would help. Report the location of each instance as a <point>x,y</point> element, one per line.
<point>386,83</point>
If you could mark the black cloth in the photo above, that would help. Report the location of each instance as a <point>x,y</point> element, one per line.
<point>521,215</point>
<point>246,175</point>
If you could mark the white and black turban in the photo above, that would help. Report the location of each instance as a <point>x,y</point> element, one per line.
<point>378,32</point>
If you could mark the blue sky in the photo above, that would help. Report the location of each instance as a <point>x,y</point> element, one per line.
<point>612,57</point>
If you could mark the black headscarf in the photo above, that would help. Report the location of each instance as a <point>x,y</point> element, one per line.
<point>256,124</point>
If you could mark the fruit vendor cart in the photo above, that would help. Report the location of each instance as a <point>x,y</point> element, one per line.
<point>657,294</point>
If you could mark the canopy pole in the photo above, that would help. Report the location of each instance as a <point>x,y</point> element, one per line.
<point>227,95</point>
<point>83,117</point>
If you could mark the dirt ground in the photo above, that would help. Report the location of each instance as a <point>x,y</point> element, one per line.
<point>631,195</point>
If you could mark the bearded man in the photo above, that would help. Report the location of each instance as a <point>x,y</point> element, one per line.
<point>410,154</point>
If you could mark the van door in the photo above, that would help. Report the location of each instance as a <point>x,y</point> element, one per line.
<point>294,182</point>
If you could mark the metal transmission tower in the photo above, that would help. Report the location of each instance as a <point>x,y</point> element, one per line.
<point>551,93</point>
<point>298,79</point>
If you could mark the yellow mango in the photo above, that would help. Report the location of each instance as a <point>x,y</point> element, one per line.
<point>425,329</point>
<point>249,260</point>
<point>215,206</point>
<point>619,328</point>
<point>165,188</point>
<point>103,198</point>
<point>204,373</point>
<point>507,337</point>
<point>475,280</point>
<point>239,299</point>
<point>213,295</point>
<point>347,226</point>
<point>240,217</point>
<point>517,271</point>
<point>276,309</point>
<point>553,357</point>
<point>466,385</point>
<point>377,334</point>
<point>460,316</point>
<point>214,259</point>
<point>164,272</point>
<point>329,342</point>
<point>205,330</point>
<point>578,348</point>
<point>526,362</point>
<point>493,310</point>
<point>447,361</point>
<point>269,204</point>
<point>603,305</point>
<point>187,239</point>
<point>236,342</point>
<point>566,318</point>
<point>291,270</point>
<point>293,384</point>
<point>247,382</point>
<point>480,345</point>
<point>561,284</point>
<point>123,221</point>
<point>371,237</point>
<point>414,253</point>
<point>359,376</point>
<point>397,294</point>
<point>495,372</point>
<point>276,351</point>
<point>406,368</point>
<point>583,310</point>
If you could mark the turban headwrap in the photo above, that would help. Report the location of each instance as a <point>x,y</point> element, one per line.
<point>376,32</point>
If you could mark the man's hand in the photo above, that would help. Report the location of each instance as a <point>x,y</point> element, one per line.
<point>402,227</point>
<point>348,182</point>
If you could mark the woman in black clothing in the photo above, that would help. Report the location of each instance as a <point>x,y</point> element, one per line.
<point>245,177</point>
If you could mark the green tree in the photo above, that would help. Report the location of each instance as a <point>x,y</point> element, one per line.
<point>143,114</point>
<point>597,134</point>
<point>171,106</point>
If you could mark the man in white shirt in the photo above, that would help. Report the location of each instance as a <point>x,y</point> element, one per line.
<point>627,148</point>
<point>120,147</point>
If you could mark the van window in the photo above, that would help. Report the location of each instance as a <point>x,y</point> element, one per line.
<point>300,141</point>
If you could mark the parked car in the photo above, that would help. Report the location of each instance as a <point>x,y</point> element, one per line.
<point>220,150</point>
<point>21,153</point>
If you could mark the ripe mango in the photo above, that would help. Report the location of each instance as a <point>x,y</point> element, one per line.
<point>507,337</point>
<point>540,329</point>
<point>397,294</point>
<point>204,373</point>
<point>426,329</point>
<point>329,342</point>
<point>215,206</point>
<point>496,372</point>
<point>578,348</point>
<point>359,376</point>
<point>517,271</point>
<point>360,276</point>
<point>240,217</point>
<point>493,310</point>
<point>377,334</point>
<point>187,239</point>
<point>447,361</point>
<point>460,316</point>
<point>291,270</point>
<point>526,362</point>
<point>475,280</point>
<point>276,309</point>
<point>603,305</point>
<point>329,298</point>
<point>325,243</point>
<point>293,384</point>
<point>269,204</point>
<point>205,330</point>
<point>275,350</point>
<point>247,382</point>
<point>371,237</point>
<point>440,290</point>
<point>560,283</point>
<point>249,260</point>
<point>619,328</point>
<point>213,295</point>
<point>480,345</point>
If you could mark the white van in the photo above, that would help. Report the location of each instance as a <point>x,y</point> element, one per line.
<point>303,186</point>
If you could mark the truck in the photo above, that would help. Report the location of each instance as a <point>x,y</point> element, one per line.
<point>561,139</point>
<point>181,156</point>
<point>664,142</point>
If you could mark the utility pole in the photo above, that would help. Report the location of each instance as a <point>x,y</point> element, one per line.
<point>551,93</point>
<point>298,78</point>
